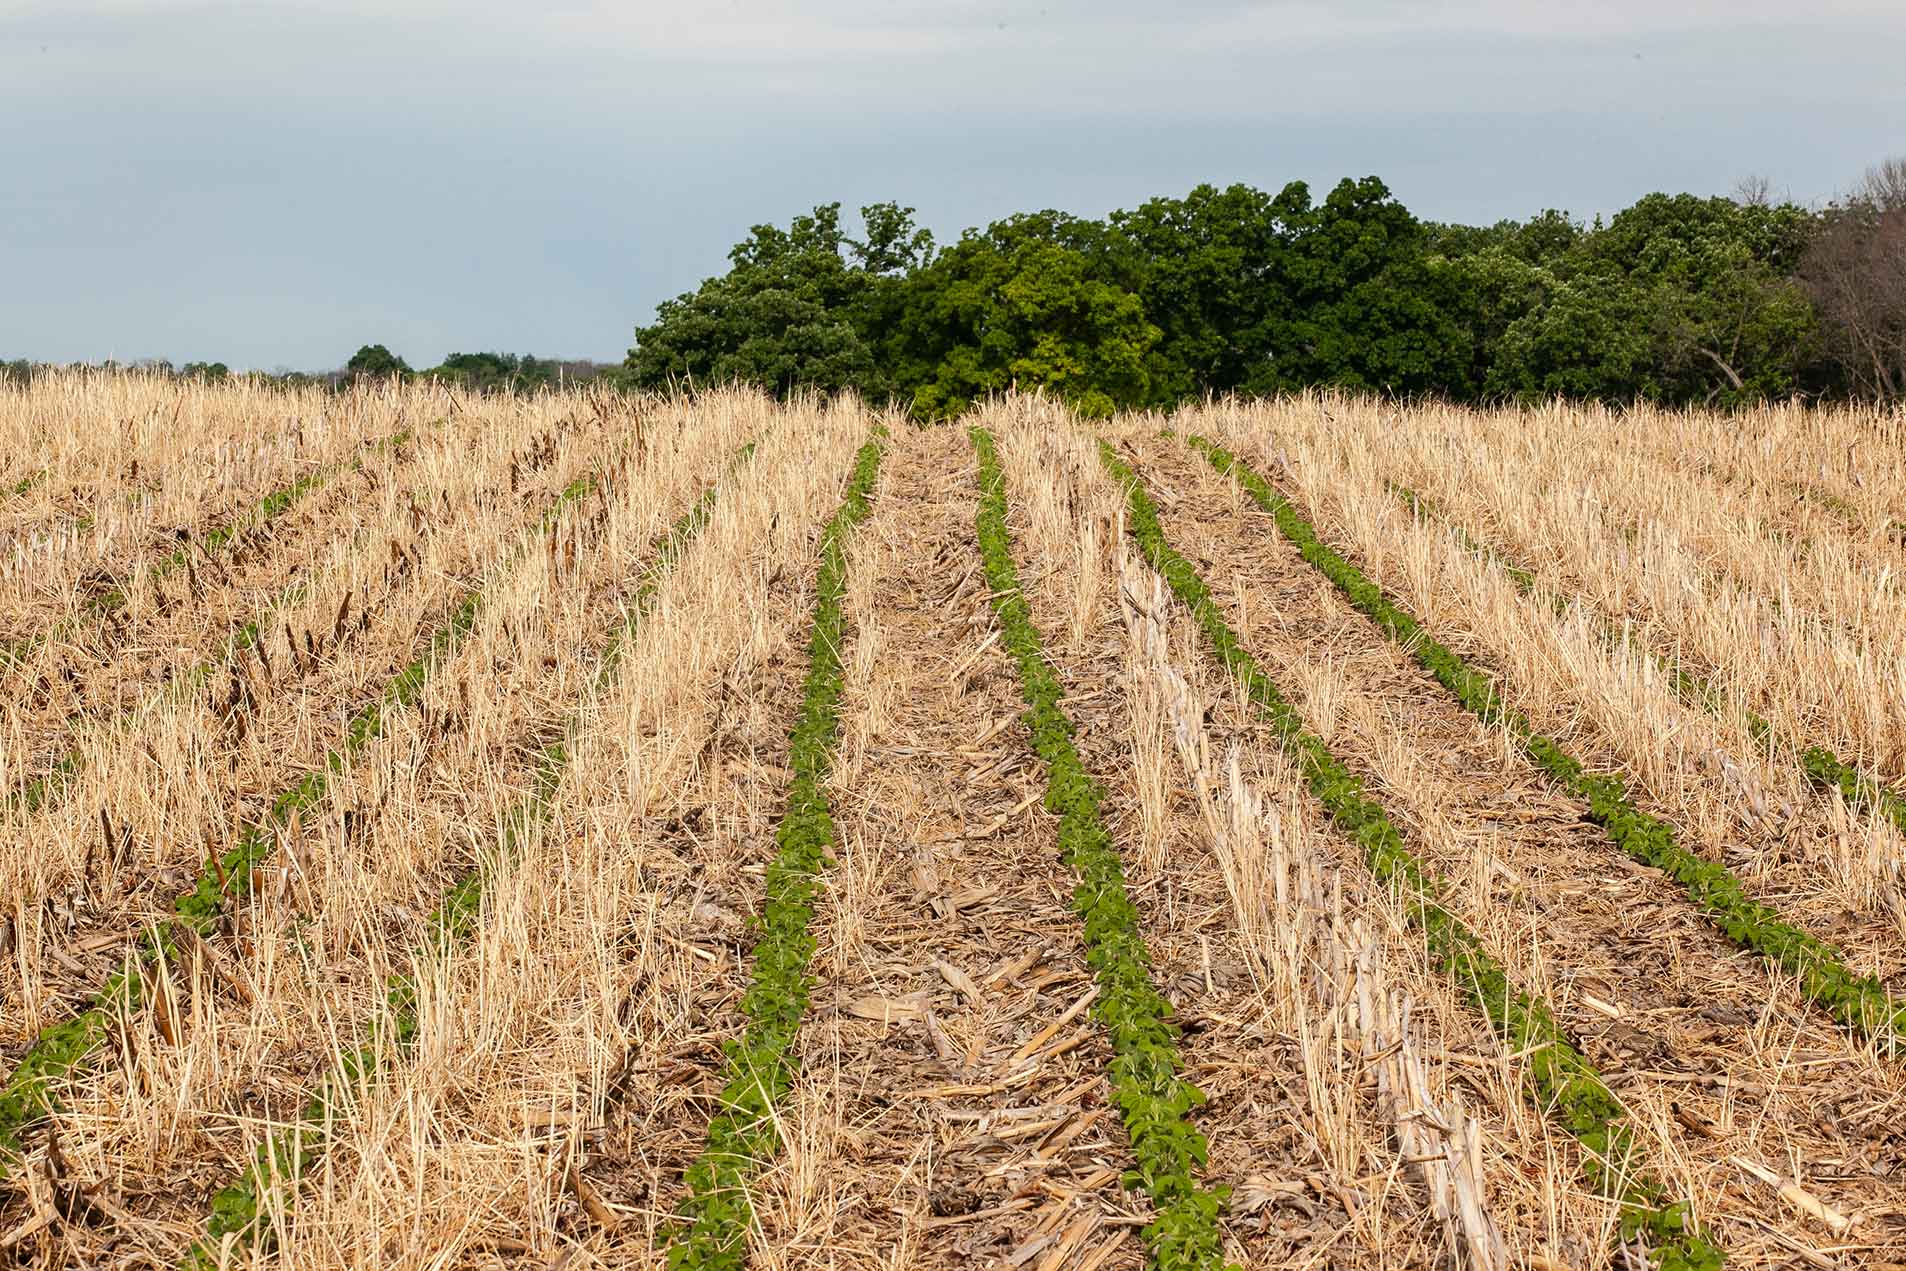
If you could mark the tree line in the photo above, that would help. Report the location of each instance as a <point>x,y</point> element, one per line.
<point>1678,299</point>
<point>476,372</point>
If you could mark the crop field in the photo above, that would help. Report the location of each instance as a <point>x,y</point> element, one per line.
<point>447,831</point>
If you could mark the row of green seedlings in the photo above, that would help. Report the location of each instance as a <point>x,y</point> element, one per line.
<point>107,604</point>
<point>60,1049</point>
<point>1560,1079</point>
<point>244,1212</point>
<point>1858,1002</point>
<point>711,1228</point>
<point>1861,788</point>
<point>1153,1099</point>
<point>48,788</point>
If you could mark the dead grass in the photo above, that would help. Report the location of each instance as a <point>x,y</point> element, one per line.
<point>1735,799</point>
<point>952,1108</point>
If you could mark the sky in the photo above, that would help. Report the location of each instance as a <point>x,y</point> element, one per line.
<point>274,183</point>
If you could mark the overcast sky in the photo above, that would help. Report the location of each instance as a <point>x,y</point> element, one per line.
<point>274,183</point>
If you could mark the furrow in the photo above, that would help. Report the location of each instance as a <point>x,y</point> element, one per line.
<point>1154,1100</point>
<point>1561,1080</point>
<point>743,1136</point>
<point>1860,1002</point>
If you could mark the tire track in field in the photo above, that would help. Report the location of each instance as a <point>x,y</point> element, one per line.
<point>1713,1055</point>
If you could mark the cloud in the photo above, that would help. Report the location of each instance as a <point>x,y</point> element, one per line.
<point>280,180</point>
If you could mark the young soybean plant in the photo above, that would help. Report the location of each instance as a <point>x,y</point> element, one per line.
<point>714,1220</point>
<point>241,1210</point>
<point>1152,1098</point>
<point>1561,1079</point>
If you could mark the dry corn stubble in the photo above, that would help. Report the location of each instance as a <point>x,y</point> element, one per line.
<point>1266,985</point>
<point>1847,823</point>
<point>1324,983</point>
<point>54,1057</point>
<point>131,461</point>
<point>1614,707</point>
<point>143,982</point>
<point>1831,476</point>
<point>519,1035</point>
<point>567,1058</point>
<point>255,1199</point>
<point>951,1106</point>
<point>1735,601</point>
<point>206,627</point>
<point>1803,562</point>
<point>1856,453</point>
<point>1713,1057</point>
<point>1559,1078</point>
<point>290,850</point>
<point>184,781</point>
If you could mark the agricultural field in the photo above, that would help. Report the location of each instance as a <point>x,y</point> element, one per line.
<point>580,830</point>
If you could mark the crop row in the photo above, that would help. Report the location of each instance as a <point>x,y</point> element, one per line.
<point>1860,1002</point>
<point>240,1210</point>
<point>1860,787</point>
<point>47,788</point>
<point>1561,1080</point>
<point>60,1049</point>
<point>1153,1099</point>
<point>227,534</point>
<point>760,1067</point>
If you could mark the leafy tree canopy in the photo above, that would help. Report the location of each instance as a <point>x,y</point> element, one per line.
<point>797,309</point>
<point>1677,299</point>
<point>1028,304</point>
<point>374,361</point>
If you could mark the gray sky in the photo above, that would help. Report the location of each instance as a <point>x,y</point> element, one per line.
<point>277,182</point>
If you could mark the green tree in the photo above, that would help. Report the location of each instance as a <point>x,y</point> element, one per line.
<point>1205,269</point>
<point>798,308</point>
<point>1027,305</point>
<point>1678,299</point>
<point>1589,339</point>
<point>374,361</point>
<point>1364,308</point>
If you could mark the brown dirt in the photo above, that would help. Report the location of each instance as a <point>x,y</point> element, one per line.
<point>1688,1029</point>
